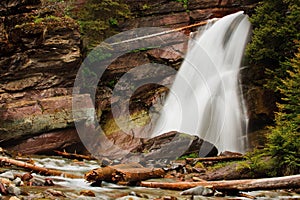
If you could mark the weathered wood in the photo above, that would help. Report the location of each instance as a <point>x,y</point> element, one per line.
<point>131,172</point>
<point>215,159</point>
<point>37,169</point>
<point>286,182</point>
<point>100,174</point>
<point>73,155</point>
<point>161,33</point>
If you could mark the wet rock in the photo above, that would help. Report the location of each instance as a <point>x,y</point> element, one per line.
<point>14,198</point>
<point>87,198</point>
<point>55,193</point>
<point>4,152</point>
<point>230,153</point>
<point>2,188</point>
<point>169,198</point>
<point>37,181</point>
<point>219,194</point>
<point>229,172</point>
<point>48,182</point>
<point>132,193</point>
<point>8,174</point>
<point>129,198</point>
<point>169,146</point>
<point>5,181</point>
<point>18,181</point>
<point>12,189</point>
<point>197,179</point>
<point>199,190</point>
<point>26,177</point>
<point>87,193</point>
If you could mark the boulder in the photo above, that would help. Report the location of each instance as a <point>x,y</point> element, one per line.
<point>170,146</point>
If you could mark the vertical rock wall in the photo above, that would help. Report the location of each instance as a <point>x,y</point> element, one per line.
<point>41,51</point>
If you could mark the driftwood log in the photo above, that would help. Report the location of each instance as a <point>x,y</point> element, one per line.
<point>215,159</point>
<point>37,169</point>
<point>73,155</point>
<point>286,182</point>
<point>131,172</point>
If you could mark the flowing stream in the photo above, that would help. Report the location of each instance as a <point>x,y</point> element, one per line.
<point>71,188</point>
<point>205,98</point>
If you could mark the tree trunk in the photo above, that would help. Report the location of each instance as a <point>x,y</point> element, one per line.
<point>131,172</point>
<point>286,182</point>
<point>215,159</point>
<point>37,169</point>
<point>73,155</point>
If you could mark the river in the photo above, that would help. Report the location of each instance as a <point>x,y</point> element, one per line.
<point>66,188</point>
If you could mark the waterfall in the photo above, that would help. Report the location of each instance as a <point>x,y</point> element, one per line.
<point>205,98</point>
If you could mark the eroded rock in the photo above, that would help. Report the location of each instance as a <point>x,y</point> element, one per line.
<point>24,118</point>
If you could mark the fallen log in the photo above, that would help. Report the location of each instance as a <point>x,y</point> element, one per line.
<point>162,33</point>
<point>215,159</point>
<point>285,182</point>
<point>73,155</point>
<point>37,169</point>
<point>131,172</point>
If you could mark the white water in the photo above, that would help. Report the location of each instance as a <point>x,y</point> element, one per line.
<point>204,99</point>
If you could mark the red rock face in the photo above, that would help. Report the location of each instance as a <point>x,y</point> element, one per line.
<point>39,62</point>
<point>47,142</point>
<point>172,14</point>
<point>23,118</point>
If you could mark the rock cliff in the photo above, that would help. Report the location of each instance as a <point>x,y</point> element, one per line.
<point>40,54</point>
<point>41,51</point>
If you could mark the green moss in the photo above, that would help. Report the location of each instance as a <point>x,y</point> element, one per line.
<point>100,19</point>
<point>192,155</point>
<point>240,165</point>
<point>49,18</point>
<point>199,165</point>
<point>146,7</point>
<point>184,3</point>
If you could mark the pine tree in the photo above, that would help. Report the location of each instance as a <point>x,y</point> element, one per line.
<point>284,141</point>
<point>276,26</point>
<point>275,48</point>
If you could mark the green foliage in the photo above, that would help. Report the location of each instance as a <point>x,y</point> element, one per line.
<point>48,18</point>
<point>99,19</point>
<point>192,155</point>
<point>184,3</point>
<point>283,144</point>
<point>284,141</point>
<point>259,164</point>
<point>273,46</point>
<point>275,29</point>
<point>219,165</point>
<point>144,49</point>
<point>146,7</point>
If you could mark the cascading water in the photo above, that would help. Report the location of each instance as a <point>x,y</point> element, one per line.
<point>204,99</point>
